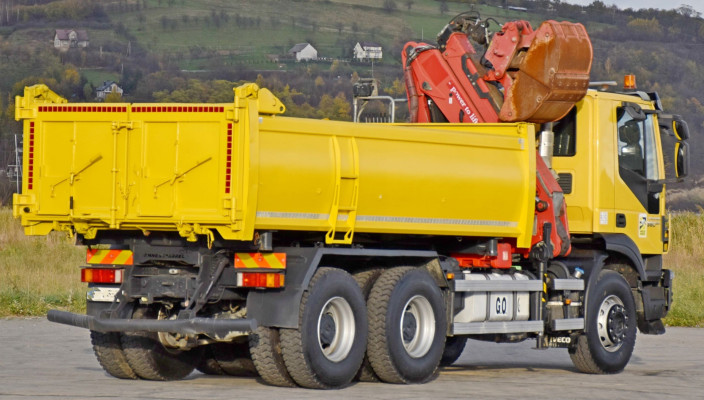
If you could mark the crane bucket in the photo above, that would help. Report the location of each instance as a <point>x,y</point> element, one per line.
<point>550,76</point>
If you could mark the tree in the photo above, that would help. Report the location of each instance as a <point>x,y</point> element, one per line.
<point>688,11</point>
<point>113,97</point>
<point>409,4</point>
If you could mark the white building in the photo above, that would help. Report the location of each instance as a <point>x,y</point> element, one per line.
<point>367,51</point>
<point>303,51</point>
<point>70,38</point>
<point>108,87</point>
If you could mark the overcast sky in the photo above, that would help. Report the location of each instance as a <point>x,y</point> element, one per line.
<point>638,4</point>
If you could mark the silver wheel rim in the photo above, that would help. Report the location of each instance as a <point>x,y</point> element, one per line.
<point>417,326</point>
<point>336,329</point>
<point>612,323</point>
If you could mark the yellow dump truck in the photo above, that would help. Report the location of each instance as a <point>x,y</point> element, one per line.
<point>232,239</point>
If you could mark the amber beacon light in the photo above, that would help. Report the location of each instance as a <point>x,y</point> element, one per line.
<point>629,82</point>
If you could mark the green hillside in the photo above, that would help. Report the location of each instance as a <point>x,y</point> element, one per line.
<point>177,50</point>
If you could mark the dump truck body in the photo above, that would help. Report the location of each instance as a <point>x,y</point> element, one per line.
<point>207,169</point>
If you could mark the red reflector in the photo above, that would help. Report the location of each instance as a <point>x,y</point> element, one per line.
<point>260,279</point>
<point>101,275</point>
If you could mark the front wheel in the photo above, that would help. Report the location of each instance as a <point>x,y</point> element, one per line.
<point>607,345</point>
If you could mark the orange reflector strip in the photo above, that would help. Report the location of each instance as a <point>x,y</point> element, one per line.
<point>260,279</point>
<point>260,260</point>
<point>110,257</point>
<point>101,275</point>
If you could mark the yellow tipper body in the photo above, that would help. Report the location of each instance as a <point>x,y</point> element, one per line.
<point>239,167</point>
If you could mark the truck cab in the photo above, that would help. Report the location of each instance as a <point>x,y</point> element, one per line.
<point>613,174</point>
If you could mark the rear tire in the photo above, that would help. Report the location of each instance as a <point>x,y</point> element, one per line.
<point>365,280</point>
<point>265,348</point>
<point>108,350</point>
<point>327,349</point>
<point>454,345</point>
<point>149,359</point>
<point>408,323</point>
<point>234,358</point>
<point>611,322</point>
<point>208,364</point>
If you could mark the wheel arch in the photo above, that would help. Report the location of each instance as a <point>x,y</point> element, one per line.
<point>622,249</point>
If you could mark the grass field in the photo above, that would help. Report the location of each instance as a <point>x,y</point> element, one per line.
<point>686,258</point>
<point>39,273</point>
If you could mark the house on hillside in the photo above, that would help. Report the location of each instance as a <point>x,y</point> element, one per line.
<point>107,87</point>
<point>303,52</point>
<point>65,39</point>
<point>367,51</point>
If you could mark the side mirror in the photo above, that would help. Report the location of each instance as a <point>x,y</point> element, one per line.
<point>680,128</point>
<point>634,111</point>
<point>681,159</point>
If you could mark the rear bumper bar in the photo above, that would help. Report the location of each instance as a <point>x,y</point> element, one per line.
<point>192,326</point>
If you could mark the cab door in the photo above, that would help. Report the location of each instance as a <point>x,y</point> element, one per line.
<point>639,190</point>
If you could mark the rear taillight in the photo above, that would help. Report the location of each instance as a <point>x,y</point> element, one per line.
<point>260,279</point>
<point>101,275</point>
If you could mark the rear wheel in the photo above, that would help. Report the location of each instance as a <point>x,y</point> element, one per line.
<point>328,347</point>
<point>234,358</point>
<point>150,359</point>
<point>608,344</point>
<point>208,364</point>
<point>365,280</point>
<point>265,347</point>
<point>454,345</point>
<point>108,349</point>
<point>407,320</point>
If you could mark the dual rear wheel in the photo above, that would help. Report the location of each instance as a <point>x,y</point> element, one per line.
<point>404,313</point>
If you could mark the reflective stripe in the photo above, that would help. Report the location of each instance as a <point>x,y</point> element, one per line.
<point>378,218</point>
<point>260,260</point>
<point>291,215</point>
<point>436,221</point>
<point>112,257</point>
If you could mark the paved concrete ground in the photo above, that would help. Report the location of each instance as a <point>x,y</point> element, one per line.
<point>42,360</point>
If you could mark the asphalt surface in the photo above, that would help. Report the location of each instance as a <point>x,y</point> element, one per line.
<point>42,360</point>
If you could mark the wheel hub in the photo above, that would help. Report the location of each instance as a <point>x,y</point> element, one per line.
<point>612,323</point>
<point>410,325</point>
<point>336,329</point>
<point>417,326</point>
<point>327,330</point>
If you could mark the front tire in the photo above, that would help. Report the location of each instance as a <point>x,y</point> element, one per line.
<point>611,323</point>
<point>327,348</point>
<point>408,323</point>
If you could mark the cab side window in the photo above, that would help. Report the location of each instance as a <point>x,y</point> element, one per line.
<point>630,146</point>
<point>565,133</point>
<point>638,158</point>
